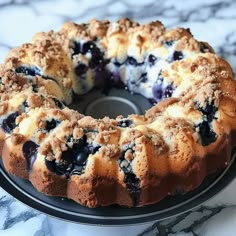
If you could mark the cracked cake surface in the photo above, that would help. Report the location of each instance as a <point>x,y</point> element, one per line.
<point>140,159</point>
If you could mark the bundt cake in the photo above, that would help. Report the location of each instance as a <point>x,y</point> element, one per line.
<point>139,159</point>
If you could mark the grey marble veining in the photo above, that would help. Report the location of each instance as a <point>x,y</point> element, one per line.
<point>213,21</point>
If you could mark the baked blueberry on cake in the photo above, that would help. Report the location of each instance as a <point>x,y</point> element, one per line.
<point>140,159</point>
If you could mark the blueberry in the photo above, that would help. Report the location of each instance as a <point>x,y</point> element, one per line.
<point>118,64</point>
<point>168,43</point>
<point>58,103</point>
<point>208,111</point>
<point>73,160</point>
<point>65,165</point>
<point>204,47</point>
<point>96,52</point>
<point>51,165</point>
<point>96,61</point>
<point>78,143</point>
<point>31,71</point>
<point>35,88</point>
<point>62,167</point>
<point>80,158</point>
<point>90,47</point>
<point>177,55</point>
<point>161,89</point>
<point>206,133</point>
<point>24,106</point>
<point>76,48</point>
<point>152,60</point>
<point>29,150</point>
<point>9,123</point>
<point>79,162</point>
<point>81,69</point>
<point>133,186</point>
<point>168,91</point>
<point>130,179</point>
<point>52,124</point>
<point>97,58</point>
<point>125,165</point>
<point>124,123</point>
<point>133,62</point>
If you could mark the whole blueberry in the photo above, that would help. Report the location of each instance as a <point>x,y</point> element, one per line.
<point>168,43</point>
<point>29,150</point>
<point>80,158</point>
<point>50,164</point>
<point>152,60</point>
<point>168,91</point>
<point>90,47</point>
<point>176,56</point>
<point>124,123</point>
<point>9,123</point>
<point>51,124</point>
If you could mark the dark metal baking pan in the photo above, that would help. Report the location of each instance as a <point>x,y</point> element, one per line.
<point>115,215</point>
<point>114,103</point>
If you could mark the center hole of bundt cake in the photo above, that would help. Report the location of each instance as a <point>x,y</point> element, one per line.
<point>111,106</point>
<point>116,102</point>
<point>95,71</point>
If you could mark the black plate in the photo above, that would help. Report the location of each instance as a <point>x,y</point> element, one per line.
<point>116,215</point>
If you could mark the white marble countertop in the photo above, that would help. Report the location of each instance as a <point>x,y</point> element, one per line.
<point>213,21</point>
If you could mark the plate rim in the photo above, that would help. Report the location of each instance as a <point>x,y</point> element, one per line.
<point>222,180</point>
